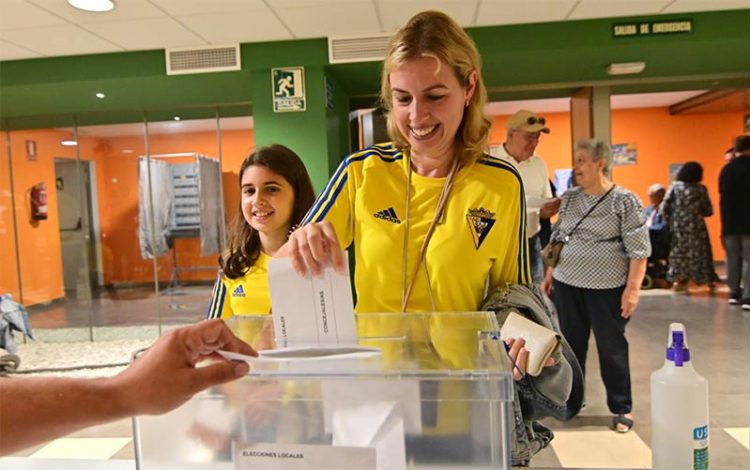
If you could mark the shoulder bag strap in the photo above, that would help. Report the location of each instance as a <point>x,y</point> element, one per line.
<point>591,210</point>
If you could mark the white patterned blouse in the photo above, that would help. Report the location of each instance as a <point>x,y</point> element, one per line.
<point>597,254</point>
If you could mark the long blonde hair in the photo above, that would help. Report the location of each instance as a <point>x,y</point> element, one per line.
<point>433,33</point>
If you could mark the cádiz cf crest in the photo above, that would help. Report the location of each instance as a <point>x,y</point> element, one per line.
<point>480,222</point>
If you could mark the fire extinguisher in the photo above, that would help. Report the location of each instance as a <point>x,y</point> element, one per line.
<point>39,202</point>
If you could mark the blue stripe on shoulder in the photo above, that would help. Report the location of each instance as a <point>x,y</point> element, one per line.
<point>523,258</point>
<point>217,300</point>
<point>385,152</point>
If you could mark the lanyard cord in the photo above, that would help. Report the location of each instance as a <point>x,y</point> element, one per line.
<point>407,285</point>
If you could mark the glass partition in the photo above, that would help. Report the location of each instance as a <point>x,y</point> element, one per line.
<point>113,231</point>
<point>54,257</point>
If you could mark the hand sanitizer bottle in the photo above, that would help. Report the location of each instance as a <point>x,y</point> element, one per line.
<point>679,409</point>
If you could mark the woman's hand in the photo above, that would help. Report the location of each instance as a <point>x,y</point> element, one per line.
<point>519,357</point>
<point>629,301</point>
<point>547,284</point>
<point>313,247</point>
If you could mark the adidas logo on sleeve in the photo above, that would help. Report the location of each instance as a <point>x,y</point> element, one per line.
<point>238,292</point>
<point>388,214</point>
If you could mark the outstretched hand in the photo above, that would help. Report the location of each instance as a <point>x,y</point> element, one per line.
<point>166,376</point>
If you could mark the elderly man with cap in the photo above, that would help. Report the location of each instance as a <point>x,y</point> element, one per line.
<point>734,189</point>
<point>524,129</point>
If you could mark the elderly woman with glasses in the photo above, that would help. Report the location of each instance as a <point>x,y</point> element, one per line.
<point>597,279</point>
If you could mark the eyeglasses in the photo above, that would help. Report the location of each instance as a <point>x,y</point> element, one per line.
<point>535,120</point>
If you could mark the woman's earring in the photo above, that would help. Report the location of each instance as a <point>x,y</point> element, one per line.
<point>466,105</point>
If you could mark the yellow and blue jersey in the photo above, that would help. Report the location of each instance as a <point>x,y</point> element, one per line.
<point>247,295</point>
<point>481,238</point>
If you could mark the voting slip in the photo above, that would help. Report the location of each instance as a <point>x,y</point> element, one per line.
<point>310,310</point>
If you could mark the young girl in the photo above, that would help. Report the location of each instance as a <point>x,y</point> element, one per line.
<point>276,192</point>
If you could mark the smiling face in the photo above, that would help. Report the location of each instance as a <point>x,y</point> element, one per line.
<point>428,105</point>
<point>587,171</point>
<point>267,201</point>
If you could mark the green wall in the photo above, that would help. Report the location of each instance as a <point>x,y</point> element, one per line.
<point>521,62</point>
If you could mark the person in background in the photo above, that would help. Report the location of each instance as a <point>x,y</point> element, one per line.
<point>734,190</point>
<point>36,410</point>
<point>545,225</point>
<point>658,229</point>
<point>276,192</point>
<point>433,219</point>
<point>597,280</point>
<point>523,132</point>
<point>685,206</point>
<point>654,218</point>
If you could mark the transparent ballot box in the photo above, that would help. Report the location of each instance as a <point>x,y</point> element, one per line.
<point>423,391</point>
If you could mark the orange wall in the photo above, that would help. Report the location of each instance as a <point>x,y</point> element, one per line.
<point>119,201</point>
<point>8,272</point>
<point>117,187</point>
<point>661,140</point>
<point>38,241</point>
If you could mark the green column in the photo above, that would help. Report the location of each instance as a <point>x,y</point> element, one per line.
<point>319,134</point>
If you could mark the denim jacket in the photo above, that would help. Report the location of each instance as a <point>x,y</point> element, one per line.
<point>557,392</point>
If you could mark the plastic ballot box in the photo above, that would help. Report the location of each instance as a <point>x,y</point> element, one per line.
<point>417,390</point>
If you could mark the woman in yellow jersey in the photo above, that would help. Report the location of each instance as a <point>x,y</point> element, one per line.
<point>432,217</point>
<point>434,220</point>
<point>275,194</point>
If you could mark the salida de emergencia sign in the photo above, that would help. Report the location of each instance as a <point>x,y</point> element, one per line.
<point>288,89</point>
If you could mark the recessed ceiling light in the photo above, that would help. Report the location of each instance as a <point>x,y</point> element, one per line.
<point>626,68</point>
<point>68,143</point>
<point>177,118</point>
<point>100,95</point>
<point>93,5</point>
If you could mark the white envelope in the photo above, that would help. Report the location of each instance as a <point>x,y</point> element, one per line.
<point>310,310</point>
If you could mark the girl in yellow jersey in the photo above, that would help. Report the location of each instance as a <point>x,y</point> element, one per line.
<point>275,194</point>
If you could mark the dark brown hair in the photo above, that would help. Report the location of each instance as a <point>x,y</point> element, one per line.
<point>244,241</point>
<point>690,172</point>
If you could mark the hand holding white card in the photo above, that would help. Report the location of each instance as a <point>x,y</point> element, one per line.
<point>310,310</point>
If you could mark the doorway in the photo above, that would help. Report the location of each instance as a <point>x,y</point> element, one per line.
<point>75,191</point>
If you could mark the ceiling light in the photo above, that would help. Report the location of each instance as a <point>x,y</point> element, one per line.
<point>93,5</point>
<point>68,143</point>
<point>176,118</point>
<point>100,95</point>
<point>626,68</point>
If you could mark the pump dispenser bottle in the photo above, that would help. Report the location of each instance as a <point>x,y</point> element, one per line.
<point>679,409</point>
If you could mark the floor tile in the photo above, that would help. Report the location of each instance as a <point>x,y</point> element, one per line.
<point>742,435</point>
<point>601,449</point>
<point>93,448</point>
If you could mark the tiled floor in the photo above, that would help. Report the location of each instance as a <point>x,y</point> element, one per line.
<point>718,336</point>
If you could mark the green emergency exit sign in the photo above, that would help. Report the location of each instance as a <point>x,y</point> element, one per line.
<point>652,28</point>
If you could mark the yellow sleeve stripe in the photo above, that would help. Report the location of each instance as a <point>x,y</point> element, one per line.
<point>327,198</point>
<point>524,269</point>
<point>217,300</point>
